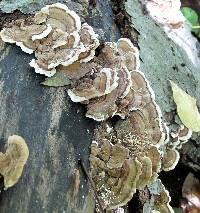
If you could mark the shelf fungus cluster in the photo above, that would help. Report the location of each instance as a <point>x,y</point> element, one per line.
<point>56,36</point>
<point>129,154</point>
<point>13,161</point>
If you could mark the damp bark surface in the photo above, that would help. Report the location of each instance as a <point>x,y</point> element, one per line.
<point>55,129</point>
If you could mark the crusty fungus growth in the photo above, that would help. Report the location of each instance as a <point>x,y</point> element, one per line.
<point>109,82</point>
<point>56,36</point>
<point>13,161</point>
<point>114,173</point>
<point>159,201</point>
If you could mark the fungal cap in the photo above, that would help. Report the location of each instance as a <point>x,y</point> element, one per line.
<point>129,52</point>
<point>131,171</point>
<point>44,34</point>
<point>146,172</point>
<point>5,37</point>
<point>59,16</point>
<point>170,159</point>
<point>13,161</point>
<point>40,70</point>
<point>103,84</point>
<point>90,40</point>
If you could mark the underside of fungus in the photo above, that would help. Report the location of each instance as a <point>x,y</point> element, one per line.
<point>13,161</point>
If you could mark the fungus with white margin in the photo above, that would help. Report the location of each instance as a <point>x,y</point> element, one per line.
<point>59,16</point>
<point>90,40</point>
<point>102,84</point>
<point>108,154</point>
<point>57,37</point>
<point>13,161</point>
<point>24,32</point>
<point>170,159</point>
<point>180,137</point>
<point>110,57</point>
<point>117,86</point>
<point>117,186</point>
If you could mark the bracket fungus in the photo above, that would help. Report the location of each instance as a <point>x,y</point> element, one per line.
<point>109,82</point>
<point>110,156</point>
<point>170,159</point>
<point>141,134</point>
<point>56,36</point>
<point>13,161</point>
<point>129,154</point>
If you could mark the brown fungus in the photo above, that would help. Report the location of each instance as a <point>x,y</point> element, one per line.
<point>113,61</point>
<point>170,159</point>
<point>56,36</point>
<point>90,40</point>
<point>24,32</point>
<point>13,161</point>
<point>102,84</point>
<point>114,151</point>
<point>116,180</point>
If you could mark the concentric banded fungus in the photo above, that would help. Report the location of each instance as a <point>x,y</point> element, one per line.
<point>13,161</point>
<point>59,16</point>
<point>180,137</point>
<point>115,178</point>
<point>160,199</point>
<point>170,159</point>
<point>108,154</point>
<point>115,63</point>
<point>102,84</point>
<point>90,40</point>
<point>24,32</point>
<point>57,37</point>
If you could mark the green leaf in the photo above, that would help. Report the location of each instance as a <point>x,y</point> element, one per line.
<point>58,80</point>
<point>178,210</point>
<point>190,15</point>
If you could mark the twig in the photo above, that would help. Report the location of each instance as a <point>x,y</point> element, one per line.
<point>91,183</point>
<point>195,27</point>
